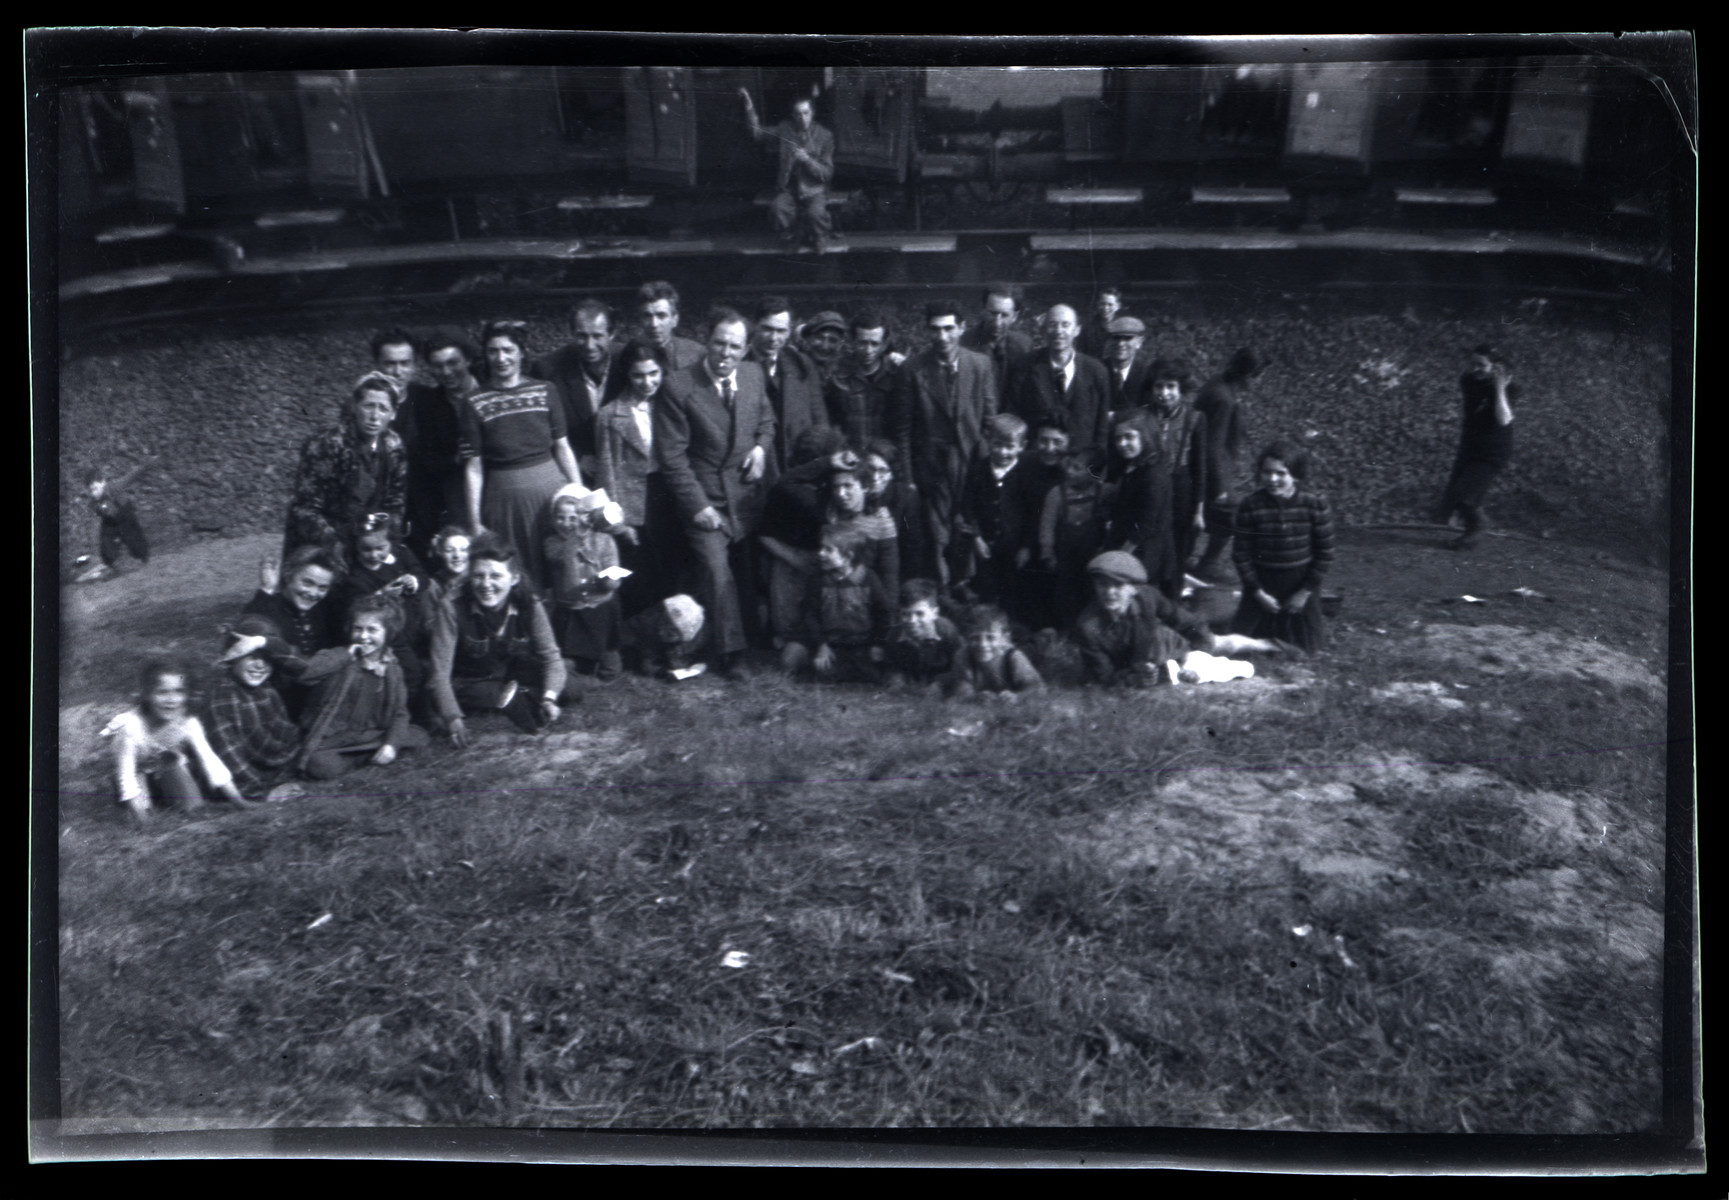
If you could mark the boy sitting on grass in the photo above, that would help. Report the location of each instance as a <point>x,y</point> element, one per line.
<point>846,615</point>
<point>923,646</point>
<point>990,662</point>
<point>1130,630</point>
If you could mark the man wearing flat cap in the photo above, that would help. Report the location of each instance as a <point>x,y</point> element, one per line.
<point>822,338</point>
<point>1125,362</point>
<point>1130,630</point>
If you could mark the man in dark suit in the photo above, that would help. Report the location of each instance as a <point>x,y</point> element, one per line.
<point>587,374</point>
<point>430,424</point>
<point>947,392</point>
<point>1065,381</point>
<point>713,434</point>
<point>996,337</point>
<point>656,306</point>
<point>793,381</point>
<point>1125,364</point>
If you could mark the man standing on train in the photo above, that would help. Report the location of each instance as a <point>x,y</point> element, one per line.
<point>800,205</point>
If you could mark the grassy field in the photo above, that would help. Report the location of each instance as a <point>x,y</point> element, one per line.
<point>1414,885</point>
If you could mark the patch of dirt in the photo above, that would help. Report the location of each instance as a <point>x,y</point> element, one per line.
<point>1507,649</point>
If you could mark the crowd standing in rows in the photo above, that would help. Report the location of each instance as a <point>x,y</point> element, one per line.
<point>488,529</point>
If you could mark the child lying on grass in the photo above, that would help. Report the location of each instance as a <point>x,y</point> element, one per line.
<point>673,638</point>
<point>990,662</point>
<point>160,749</point>
<point>923,646</point>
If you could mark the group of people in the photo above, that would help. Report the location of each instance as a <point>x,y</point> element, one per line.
<point>491,529</point>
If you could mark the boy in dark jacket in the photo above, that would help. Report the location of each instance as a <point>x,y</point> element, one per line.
<point>846,615</point>
<point>999,515</point>
<point>1130,631</point>
<point>924,644</point>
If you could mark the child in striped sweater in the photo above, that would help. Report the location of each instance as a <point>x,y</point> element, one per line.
<point>1284,546</point>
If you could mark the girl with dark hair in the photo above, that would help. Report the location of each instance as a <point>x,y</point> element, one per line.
<point>626,469</point>
<point>1284,546</point>
<point>889,490</point>
<point>1138,517</point>
<point>516,446</point>
<point>493,648</point>
<point>357,712</point>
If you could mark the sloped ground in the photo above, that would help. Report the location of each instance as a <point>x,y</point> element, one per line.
<point>1413,885</point>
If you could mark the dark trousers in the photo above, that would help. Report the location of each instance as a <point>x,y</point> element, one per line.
<point>356,750</point>
<point>1220,520</point>
<point>1465,491</point>
<point>123,530</point>
<point>724,570</point>
<point>805,218</point>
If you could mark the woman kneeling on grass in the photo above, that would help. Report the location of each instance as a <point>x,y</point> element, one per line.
<point>1284,545</point>
<point>493,649</point>
<point>159,744</point>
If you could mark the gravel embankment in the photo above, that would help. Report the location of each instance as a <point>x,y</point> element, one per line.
<point>1374,393</point>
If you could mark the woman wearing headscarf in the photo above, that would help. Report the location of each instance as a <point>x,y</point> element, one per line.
<point>352,476</point>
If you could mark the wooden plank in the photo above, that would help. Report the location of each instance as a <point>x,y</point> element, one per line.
<point>132,233</point>
<point>586,203</point>
<point>1239,195</point>
<point>1463,196</point>
<point>1094,195</point>
<point>291,220</point>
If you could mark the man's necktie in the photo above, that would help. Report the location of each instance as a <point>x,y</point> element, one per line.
<point>726,392</point>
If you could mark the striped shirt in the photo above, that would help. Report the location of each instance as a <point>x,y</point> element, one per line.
<point>1283,535</point>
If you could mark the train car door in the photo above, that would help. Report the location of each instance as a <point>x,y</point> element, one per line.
<point>158,175</point>
<point>335,146</point>
<point>1549,115</point>
<point>660,125</point>
<point>873,120</point>
<point>1332,113</point>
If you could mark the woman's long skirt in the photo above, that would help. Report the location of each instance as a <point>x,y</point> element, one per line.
<point>516,505</point>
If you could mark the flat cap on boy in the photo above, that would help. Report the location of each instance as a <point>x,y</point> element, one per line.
<point>1119,566</point>
<point>1126,327</point>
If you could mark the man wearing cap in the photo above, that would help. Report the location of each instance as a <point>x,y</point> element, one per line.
<point>1107,307</point>
<point>996,337</point>
<point>861,395</point>
<point>822,338</point>
<point>1063,380</point>
<point>1126,364</point>
<point>1130,630</point>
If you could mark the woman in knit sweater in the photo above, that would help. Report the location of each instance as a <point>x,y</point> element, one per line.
<point>1284,546</point>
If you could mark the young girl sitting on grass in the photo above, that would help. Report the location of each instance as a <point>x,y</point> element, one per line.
<point>357,712</point>
<point>579,554</point>
<point>1284,545</point>
<point>158,744</point>
<point>383,566</point>
<point>990,662</point>
<point>250,728</point>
